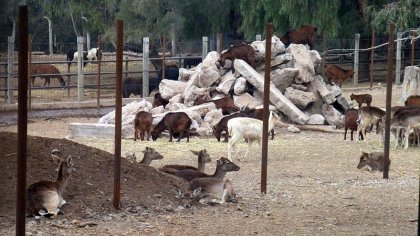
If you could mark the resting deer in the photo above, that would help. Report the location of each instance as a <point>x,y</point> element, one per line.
<point>150,154</point>
<point>46,197</point>
<point>203,159</point>
<point>212,189</point>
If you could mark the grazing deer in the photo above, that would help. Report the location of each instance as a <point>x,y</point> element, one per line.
<point>202,160</point>
<point>46,197</point>
<point>212,189</point>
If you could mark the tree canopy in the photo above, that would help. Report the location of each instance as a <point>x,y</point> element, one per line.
<point>192,19</point>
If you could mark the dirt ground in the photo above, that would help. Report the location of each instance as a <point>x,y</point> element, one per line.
<point>314,187</point>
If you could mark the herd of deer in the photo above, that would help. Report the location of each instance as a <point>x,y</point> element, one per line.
<point>45,198</point>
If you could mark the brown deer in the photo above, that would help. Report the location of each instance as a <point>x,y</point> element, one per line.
<point>150,154</point>
<point>337,74</point>
<point>212,189</point>
<point>373,161</point>
<point>142,125</point>
<point>174,122</point>
<point>362,98</point>
<point>46,197</point>
<point>46,71</point>
<point>203,159</point>
<point>222,167</point>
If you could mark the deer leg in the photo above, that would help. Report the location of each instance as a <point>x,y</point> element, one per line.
<point>135,134</point>
<point>180,136</point>
<point>231,146</point>
<point>272,134</point>
<point>170,135</point>
<point>226,137</point>
<point>345,134</point>
<point>188,134</point>
<point>142,135</point>
<point>407,137</point>
<point>148,135</point>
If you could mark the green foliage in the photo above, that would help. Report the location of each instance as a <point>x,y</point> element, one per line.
<point>405,14</point>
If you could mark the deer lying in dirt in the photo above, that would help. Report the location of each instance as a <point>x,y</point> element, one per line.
<point>150,154</point>
<point>374,161</point>
<point>202,159</point>
<point>212,189</point>
<point>221,169</point>
<point>46,197</point>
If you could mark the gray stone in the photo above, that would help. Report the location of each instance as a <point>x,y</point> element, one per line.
<point>170,88</point>
<point>320,86</point>
<point>332,116</point>
<point>213,117</point>
<point>276,97</point>
<point>316,119</point>
<point>303,62</point>
<point>246,100</point>
<point>334,90</point>
<point>342,101</point>
<point>411,83</point>
<point>226,83</point>
<point>300,87</point>
<point>300,98</point>
<point>239,86</point>
<point>283,78</point>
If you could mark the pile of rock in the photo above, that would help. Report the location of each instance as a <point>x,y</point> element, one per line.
<point>297,89</point>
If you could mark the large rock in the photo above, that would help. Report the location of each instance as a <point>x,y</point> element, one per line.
<point>332,116</point>
<point>207,77</point>
<point>322,89</point>
<point>127,112</point>
<point>277,47</point>
<point>175,106</point>
<point>316,119</point>
<point>278,62</point>
<point>283,78</point>
<point>226,83</point>
<point>300,98</point>
<point>170,88</point>
<point>303,62</point>
<point>213,117</point>
<point>185,74</point>
<point>317,61</point>
<point>246,100</point>
<point>194,92</point>
<point>411,83</point>
<point>276,97</point>
<point>240,86</point>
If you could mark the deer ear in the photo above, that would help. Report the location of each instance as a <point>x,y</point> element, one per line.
<point>69,160</point>
<point>178,193</point>
<point>195,152</point>
<point>56,158</point>
<point>196,191</point>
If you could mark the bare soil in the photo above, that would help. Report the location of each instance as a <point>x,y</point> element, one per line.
<point>314,187</point>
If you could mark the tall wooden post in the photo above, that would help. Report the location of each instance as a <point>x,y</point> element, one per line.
<point>118,110</point>
<point>145,66</point>
<point>356,60</point>
<point>29,72</point>
<point>22,121</point>
<point>398,60</point>
<point>372,58</point>
<point>10,53</point>
<point>164,56</point>
<point>205,47</point>
<point>388,99</point>
<point>98,79</point>
<point>80,75</point>
<point>267,69</point>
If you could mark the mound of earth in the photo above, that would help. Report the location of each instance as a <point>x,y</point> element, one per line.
<point>90,190</point>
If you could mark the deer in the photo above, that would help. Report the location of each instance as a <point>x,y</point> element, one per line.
<point>45,198</point>
<point>212,189</point>
<point>202,159</point>
<point>150,154</point>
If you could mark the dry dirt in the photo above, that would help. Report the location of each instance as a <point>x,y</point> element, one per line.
<point>314,187</point>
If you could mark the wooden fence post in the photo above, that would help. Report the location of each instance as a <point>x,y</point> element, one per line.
<point>80,75</point>
<point>164,56</point>
<point>10,51</point>
<point>413,47</point>
<point>356,60</point>
<point>205,47</point>
<point>145,66</point>
<point>372,58</point>
<point>29,72</point>
<point>219,43</point>
<point>98,79</point>
<point>398,60</point>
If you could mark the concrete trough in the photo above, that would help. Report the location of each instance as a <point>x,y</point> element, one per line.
<point>84,130</point>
